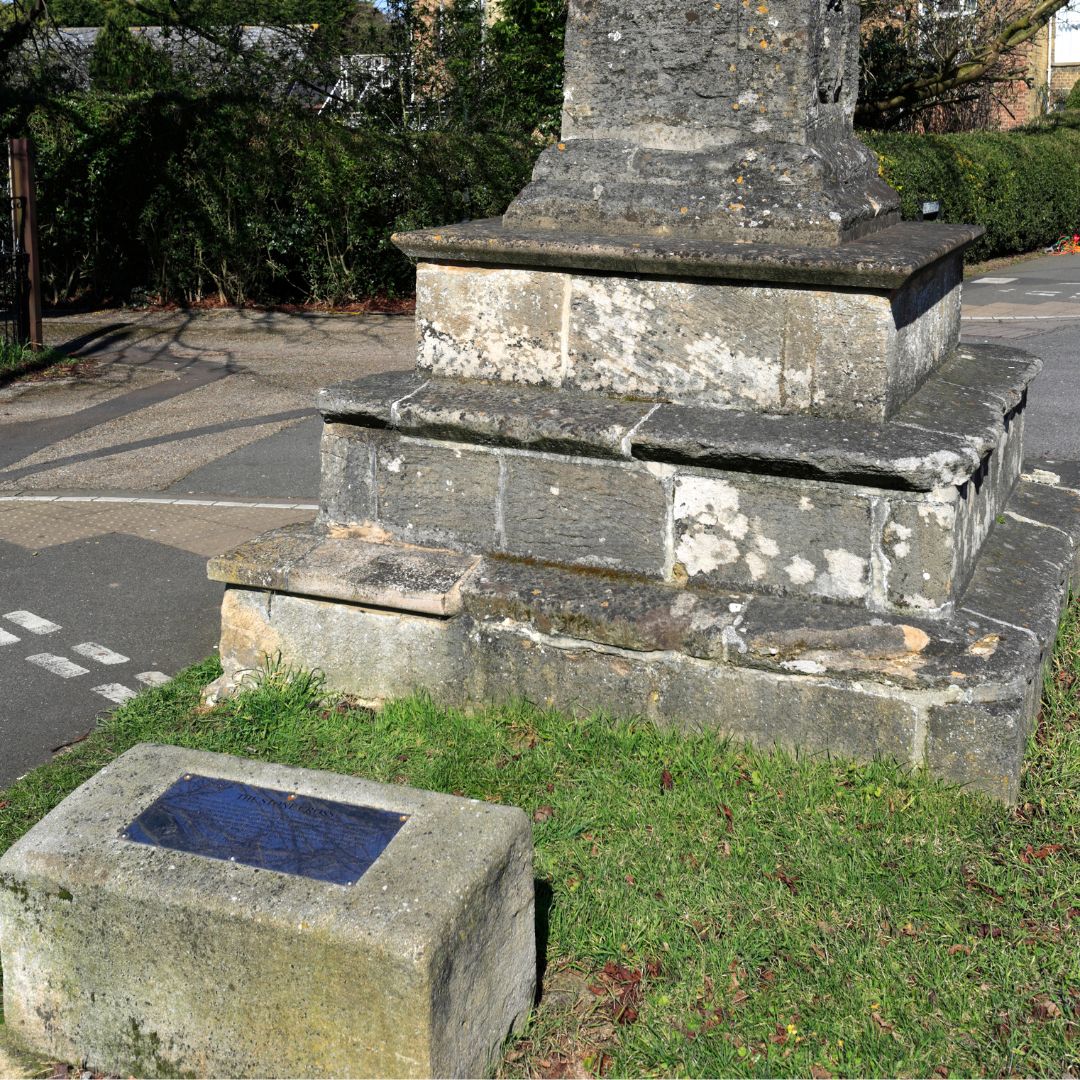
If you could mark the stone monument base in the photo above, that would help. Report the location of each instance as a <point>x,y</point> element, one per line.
<point>753,488</point>
<point>956,695</point>
<point>142,960</point>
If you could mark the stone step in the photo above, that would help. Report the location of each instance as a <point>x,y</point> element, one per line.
<point>580,480</point>
<point>354,565</point>
<point>954,694</point>
<point>940,436</point>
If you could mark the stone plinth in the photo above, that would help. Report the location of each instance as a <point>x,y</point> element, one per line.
<point>145,961</point>
<point>828,344</point>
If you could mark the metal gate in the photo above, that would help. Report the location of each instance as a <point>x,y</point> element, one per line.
<point>9,260</point>
<point>16,318</point>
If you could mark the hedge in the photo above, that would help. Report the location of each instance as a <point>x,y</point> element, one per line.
<point>1022,186</point>
<point>176,198</point>
<point>182,199</point>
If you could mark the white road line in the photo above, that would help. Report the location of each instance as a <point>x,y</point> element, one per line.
<point>993,281</point>
<point>116,692</point>
<point>1039,293</point>
<point>1019,318</point>
<point>58,665</point>
<point>130,499</point>
<point>153,678</point>
<point>99,653</point>
<point>6,638</point>
<point>29,621</point>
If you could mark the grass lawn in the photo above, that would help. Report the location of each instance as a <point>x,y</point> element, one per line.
<point>18,360</point>
<point>713,910</point>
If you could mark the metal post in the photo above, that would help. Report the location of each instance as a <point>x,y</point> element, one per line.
<point>24,203</point>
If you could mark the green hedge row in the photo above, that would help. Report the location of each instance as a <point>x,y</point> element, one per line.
<point>180,198</point>
<point>1022,186</point>
<point>183,199</point>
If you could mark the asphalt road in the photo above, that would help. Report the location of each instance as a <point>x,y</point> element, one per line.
<point>1036,306</point>
<point>197,431</point>
<point>194,433</point>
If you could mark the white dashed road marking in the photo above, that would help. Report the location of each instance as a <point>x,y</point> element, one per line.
<point>1043,293</point>
<point>29,621</point>
<point>6,638</point>
<point>99,653</point>
<point>158,502</point>
<point>153,678</point>
<point>58,665</point>
<point>116,692</point>
<point>993,281</point>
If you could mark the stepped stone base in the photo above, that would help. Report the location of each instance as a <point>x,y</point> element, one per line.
<point>956,695</point>
<point>888,517</point>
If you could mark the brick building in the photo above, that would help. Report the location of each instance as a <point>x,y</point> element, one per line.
<point>1053,66</point>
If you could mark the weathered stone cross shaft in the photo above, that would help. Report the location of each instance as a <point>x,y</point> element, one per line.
<point>724,118</point>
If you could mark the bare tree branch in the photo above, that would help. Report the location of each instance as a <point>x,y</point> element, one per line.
<point>950,72</point>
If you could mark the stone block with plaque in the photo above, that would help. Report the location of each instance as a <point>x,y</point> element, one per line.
<point>193,914</point>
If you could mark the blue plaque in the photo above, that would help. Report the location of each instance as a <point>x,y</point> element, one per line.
<point>267,829</point>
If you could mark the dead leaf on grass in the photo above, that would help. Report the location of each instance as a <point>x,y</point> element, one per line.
<point>623,986</point>
<point>543,813</point>
<point>883,1024</point>
<point>1043,852</point>
<point>1043,1008</point>
<point>563,1067</point>
<point>973,883</point>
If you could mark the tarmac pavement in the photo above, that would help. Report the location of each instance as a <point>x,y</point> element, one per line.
<point>197,431</point>
<point>1035,305</point>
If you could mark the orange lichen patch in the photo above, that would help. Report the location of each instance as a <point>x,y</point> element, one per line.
<point>985,646</point>
<point>738,179</point>
<point>915,640</point>
<point>374,533</point>
<point>684,209</point>
<point>562,146</point>
<point>763,43</point>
